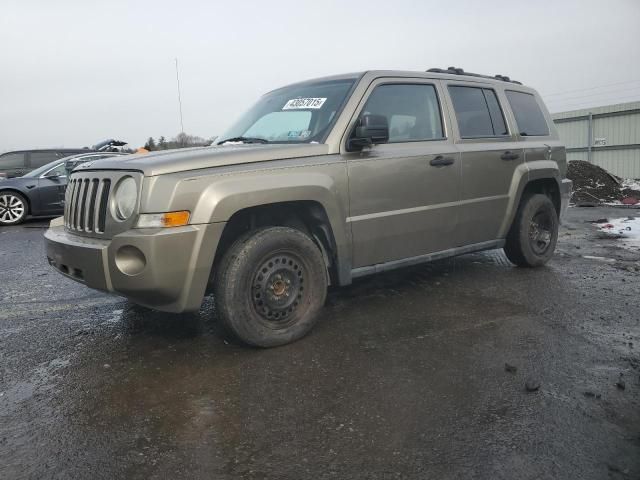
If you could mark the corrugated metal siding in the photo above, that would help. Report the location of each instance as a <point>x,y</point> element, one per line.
<point>621,130</point>
<point>576,156</point>
<point>619,107</point>
<point>623,163</point>
<point>574,134</point>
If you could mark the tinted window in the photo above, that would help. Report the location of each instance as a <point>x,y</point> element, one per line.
<point>412,111</point>
<point>12,160</point>
<point>478,112</point>
<point>39,159</point>
<point>59,171</point>
<point>497,119</point>
<point>529,117</point>
<point>39,171</point>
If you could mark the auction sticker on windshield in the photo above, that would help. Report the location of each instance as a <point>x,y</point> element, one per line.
<point>295,103</point>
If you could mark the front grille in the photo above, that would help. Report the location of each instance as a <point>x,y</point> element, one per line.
<point>86,201</point>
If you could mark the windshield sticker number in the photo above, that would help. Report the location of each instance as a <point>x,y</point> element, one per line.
<point>299,133</point>
<point>298,103</point>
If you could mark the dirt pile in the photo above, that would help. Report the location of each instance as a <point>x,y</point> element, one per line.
<point>593,184</point>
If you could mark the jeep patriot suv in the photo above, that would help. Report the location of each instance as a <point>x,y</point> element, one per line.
<point>319,183</point>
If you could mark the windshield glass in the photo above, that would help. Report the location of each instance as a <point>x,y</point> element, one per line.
<point>295,114</point>
<point>39,171</point>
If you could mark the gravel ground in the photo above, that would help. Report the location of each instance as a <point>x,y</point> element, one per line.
<point>419,373</point>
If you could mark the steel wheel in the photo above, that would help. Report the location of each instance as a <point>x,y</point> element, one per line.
<point>277,289</point>
<point>540,232</point>
<point>533,235</point>
<point>270,285</point>
<point>13,208</point>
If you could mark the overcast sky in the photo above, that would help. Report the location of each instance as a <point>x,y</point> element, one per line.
<point>74,72</point>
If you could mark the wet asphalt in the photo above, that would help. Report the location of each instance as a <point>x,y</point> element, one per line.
<point>403,377</point>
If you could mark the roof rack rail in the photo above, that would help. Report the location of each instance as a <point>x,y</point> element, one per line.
<point>459,71</point>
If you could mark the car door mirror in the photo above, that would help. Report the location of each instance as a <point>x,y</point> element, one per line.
<point>370,130</point>
<point>53,175</point>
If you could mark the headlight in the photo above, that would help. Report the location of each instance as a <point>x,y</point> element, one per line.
<point>124,198</point>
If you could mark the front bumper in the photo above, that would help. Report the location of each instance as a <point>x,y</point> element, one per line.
<point>168,270</point>
<point>565,196</point>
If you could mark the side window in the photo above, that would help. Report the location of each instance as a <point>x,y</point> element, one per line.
<point>38,159</point>
<point>478,112</point>
<point>412,111</point>
<point>59,171</point>
<point>529,117</point>
<point>12,160</point>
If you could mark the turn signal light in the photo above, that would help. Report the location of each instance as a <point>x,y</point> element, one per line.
<point>163,220</point>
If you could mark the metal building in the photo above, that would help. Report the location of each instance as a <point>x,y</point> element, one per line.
<point>606,136</point>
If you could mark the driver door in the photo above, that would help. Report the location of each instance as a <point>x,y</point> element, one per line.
<point>51,188</point>
<point>404,193</point>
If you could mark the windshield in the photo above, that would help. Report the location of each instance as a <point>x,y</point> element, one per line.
<point>39,171</point>
<point>295,114</point>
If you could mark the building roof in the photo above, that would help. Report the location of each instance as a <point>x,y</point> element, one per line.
<point>618,107</point>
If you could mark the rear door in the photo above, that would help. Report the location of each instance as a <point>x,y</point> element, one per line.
<point>403,193</point>
<point>13,164</point>
<point>532,126</point>
<point>490,154</point>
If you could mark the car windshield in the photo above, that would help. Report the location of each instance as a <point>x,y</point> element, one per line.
<point>39,171</point>
<point>296,114</point>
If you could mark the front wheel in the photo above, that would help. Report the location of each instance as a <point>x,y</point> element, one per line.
<point>270,285</point>
<point>532,238</point>
<point>13,208</point>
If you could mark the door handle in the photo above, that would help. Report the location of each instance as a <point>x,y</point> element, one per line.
<point>441,161</point>
<point>509,156</point>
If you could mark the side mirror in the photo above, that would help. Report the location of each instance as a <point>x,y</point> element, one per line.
<point>370,130</point>
<point>52,175</point>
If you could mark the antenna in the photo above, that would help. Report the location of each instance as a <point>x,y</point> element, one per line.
<point>179,99</point>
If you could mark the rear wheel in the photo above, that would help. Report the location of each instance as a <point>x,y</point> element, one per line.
<point>270,286</point>
<point>13,208</point>
<point>532,238</point>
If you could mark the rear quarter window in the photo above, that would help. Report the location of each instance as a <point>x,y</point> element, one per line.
<point>529,117</point>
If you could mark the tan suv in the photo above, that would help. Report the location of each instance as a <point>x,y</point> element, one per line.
<point>319,183</point>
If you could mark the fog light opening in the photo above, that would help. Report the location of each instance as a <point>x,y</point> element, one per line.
<point>130,260</point>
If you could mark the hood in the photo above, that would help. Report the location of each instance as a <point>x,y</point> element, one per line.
<point>172,161</point>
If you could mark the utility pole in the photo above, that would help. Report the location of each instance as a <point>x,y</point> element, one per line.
<point>179,99</point>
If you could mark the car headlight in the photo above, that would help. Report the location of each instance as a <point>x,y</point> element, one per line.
<point>124,199</point>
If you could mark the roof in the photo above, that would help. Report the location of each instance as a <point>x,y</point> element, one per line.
<point>434,73</point>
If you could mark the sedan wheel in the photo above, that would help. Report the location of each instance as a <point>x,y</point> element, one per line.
<point>13,208</point>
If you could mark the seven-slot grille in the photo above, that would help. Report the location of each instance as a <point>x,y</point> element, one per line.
<point>85,206</point>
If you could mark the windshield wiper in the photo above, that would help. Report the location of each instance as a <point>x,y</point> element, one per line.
<point>244,140</point>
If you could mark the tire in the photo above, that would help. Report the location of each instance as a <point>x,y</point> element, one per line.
<point>270,286</point>
<point>13,208</point>
<point>532,238</point>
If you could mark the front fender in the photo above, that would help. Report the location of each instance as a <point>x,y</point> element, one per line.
<point>216,198</point>
<point>229,195</point>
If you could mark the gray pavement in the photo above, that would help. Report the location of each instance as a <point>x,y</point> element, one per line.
<point>403,377</point>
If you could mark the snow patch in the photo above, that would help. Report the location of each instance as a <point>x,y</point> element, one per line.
<point>625,228</point>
